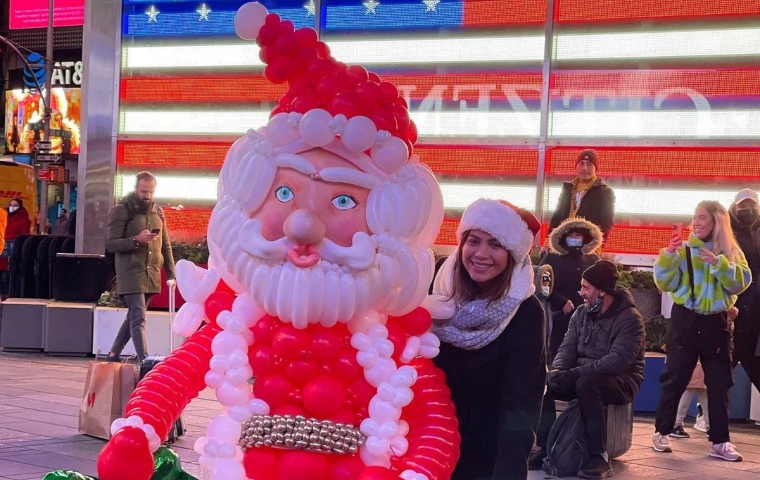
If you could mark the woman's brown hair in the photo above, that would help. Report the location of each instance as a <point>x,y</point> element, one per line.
<point>464,289</point>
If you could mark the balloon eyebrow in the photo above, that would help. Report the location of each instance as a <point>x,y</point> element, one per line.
<point>296,162</point>
<point>350,176</point>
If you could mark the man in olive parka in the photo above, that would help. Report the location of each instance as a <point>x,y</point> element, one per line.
<point>138,237</point>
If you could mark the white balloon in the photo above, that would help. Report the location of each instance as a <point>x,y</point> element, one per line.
<point>240,414</point>
<point>231,395</point>
<point>377,446</point>
<point>228,470</point>
<point>391,155</point>
<point>358,134</point>
<point>374,460</point>
<point>235,324</point>
<point>399,445</point>
<point>214,379</point>
<point>258,406</point>
<point>368,427</point>
<point>206,462</point>
<point>223,429</point>
<point>384,347</point>
<point>249,19</point>
<point>382,411</point>
<point>377,331</point>
<point>199,445</point>
<point>361,341</point>
<point>386,391</point>
<point>403,397</point>
<point>135,421</point>
<point>238,359</point>
<point>315,127</point>
<point>219,363</point>
<point>188,319</point>
<point>411,349</point>
<point>387,430</point>
<point>247,336</point>
<point>279,132</point>
<point>226,450</point>
<point>227,342</point>
<point>380,371</point>
<point>368,358</point>
<point>247,309</point>
<point>223,319</point>
<point>239,376</point>
<point>118,424</point>
<point>403,427</point>
<point>405,376</point>
<point>211,448</point>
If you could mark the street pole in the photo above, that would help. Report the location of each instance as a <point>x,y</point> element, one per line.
<point>48,111</point>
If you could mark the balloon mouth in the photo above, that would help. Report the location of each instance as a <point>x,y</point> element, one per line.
<point>303,256</point>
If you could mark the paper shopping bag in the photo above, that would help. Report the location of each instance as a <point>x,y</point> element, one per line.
<point>106,393</point>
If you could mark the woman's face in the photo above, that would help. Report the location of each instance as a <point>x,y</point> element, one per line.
<point>14,204</point>
<point>703,223</point>
<point>484,258</point>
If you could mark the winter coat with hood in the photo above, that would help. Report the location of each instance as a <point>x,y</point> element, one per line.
<point>748,237</point>
<point>608,343</point>
<point>597,206</point>
<point>568,263</point>
<point>138,267</point>
<point>19,223</point>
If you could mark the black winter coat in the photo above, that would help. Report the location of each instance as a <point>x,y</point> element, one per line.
<point>497,392</point>
<point>749,241</point>
<point>611,344</point>
<point>597,206</point>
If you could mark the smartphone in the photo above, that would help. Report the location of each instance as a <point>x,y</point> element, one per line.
<point>155,231</point>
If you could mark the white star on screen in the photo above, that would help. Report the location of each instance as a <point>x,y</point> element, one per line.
<point>431,4</point>
<point>152,14</point>
<point>203,12</point>
<point>371,6</point>
<point>310,8</point>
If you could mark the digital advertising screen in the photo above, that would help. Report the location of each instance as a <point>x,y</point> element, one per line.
<point>34,13</point>
<point>23,121</point>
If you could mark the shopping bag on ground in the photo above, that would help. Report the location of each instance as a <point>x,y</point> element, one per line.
<point>106,393</point>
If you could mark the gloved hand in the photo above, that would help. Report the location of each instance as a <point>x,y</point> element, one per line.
<point>562,381</point>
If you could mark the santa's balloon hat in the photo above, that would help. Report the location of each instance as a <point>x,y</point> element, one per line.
<point>343,109</point>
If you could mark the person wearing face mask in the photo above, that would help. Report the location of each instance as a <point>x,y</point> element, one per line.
<point>746,227</point>
<point>704,275</point>
<point>18,223</point>
<point>573,245</point>
<point>600,362</point>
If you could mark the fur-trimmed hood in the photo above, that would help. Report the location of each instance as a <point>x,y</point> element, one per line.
<point>557,237</point>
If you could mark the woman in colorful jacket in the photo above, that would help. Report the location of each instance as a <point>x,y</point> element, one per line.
<point>704,276</point>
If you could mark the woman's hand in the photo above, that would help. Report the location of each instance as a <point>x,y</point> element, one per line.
<point>708,257</point>
<point>676,241</point>
<point>568,307</point>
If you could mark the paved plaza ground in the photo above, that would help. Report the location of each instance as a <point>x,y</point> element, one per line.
<point>39,405</point>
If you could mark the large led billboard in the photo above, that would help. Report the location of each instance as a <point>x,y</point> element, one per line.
<point>23,121</point>
<point>34,13</point>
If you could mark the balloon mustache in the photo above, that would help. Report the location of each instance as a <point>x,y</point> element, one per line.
<point>359,256</point>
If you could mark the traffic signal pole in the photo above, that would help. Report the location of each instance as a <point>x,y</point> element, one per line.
<point>42,221</point>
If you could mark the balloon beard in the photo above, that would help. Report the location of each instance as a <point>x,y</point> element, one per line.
<point>345,284</point>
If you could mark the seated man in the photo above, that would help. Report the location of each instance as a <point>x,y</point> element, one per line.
<point>600,362</point>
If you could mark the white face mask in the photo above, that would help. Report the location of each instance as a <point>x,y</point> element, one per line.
<point>12,209</point>
<point>545,290</point>
<point>574,242</point>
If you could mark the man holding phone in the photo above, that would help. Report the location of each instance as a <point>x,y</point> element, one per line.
<point>138,237</point>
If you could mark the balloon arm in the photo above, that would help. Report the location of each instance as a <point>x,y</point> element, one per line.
<point>166,390</point>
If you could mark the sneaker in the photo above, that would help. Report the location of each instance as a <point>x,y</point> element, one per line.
<point>661,443</point>
<point>596,467</point>
<point>700,424</point>
<point>536,459</point>
<point>679,432</point>
<point>726,451</point>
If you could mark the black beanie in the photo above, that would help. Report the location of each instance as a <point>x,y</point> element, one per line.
<point>602,275</point>
<point>589,155</point>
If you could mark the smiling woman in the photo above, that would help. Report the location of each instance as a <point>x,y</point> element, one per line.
<point>492,341</point>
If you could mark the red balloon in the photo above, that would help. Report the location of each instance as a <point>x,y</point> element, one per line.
<point>324,396</point>
<point>417,322</point>
<point>322,49</point>
<point>373,77</point>
<point>282,69</point>
<point>302,466</point>
<point>357,74</point>
<point>318,68</point>
<point>383,120</point>
<point>306,54</point>
<point>304,102</point>
<point>274,389</point>
<point>411,132</point>
<point>402,117</point>
<point>368,95</point>
<point>344,103</point>
<point>306,37</point>
<point>346,468</point>
<point>287,45</point>
<point>216,303</point>
<point>265,328</point>
<point>289,409</point>
<point>272,19</point>
<point>397,336</point>
<point>345,416</point>
<point>362,391</point>
<point>389,91</point>
<point>126,456</point>
<point>345,367</point>
<point>261,463</point>
<point>285,27</point>
<point>223,287</point>
<point>299,372</point>
<point>262,360</point>
<point>325,345</point>
<point>267,35</point>
<point>402,101</point>
<point>268,54</point>
<point>291,343</point>
<point>377,473</point>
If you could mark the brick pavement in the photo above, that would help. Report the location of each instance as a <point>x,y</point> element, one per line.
<point>39,405</point>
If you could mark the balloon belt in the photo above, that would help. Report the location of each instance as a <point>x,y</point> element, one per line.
<point>166,467</point>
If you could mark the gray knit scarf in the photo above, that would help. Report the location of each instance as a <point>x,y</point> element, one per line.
<point>476,324</point>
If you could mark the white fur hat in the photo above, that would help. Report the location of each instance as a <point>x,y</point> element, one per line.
<point>515,228</point>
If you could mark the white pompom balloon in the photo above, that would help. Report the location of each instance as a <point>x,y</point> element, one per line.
<point>240,414</point>
<point>227,342</point>
<point>377,446</point>
<point>231,395</point>
<point>279,132</point>
<point>380,371</point>
<point>228,470</point>
<point>199,445</point>
<point>391,155</point>
<point>223,429</point>
<point>214,379</point>
<point>315,127</point>
<point>358,134</point>
<point>249,19</point>
<point>258,406</point>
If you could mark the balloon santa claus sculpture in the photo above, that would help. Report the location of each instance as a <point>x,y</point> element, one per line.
<point>310,331</point>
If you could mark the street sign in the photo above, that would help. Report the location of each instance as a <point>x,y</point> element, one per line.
<point>42,145</point>
<point>46,157</point>
<point>43,174</point>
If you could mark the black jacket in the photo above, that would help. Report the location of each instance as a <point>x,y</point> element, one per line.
<point>749,241</point>
<point>611,344</point>
<point>497,392</point>
<point>597,206</point>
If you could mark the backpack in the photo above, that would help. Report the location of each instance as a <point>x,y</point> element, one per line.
<point>567,446</point>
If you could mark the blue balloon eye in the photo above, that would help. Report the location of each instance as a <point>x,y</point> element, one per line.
<point>284,194</point>
<point>344,202</point>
